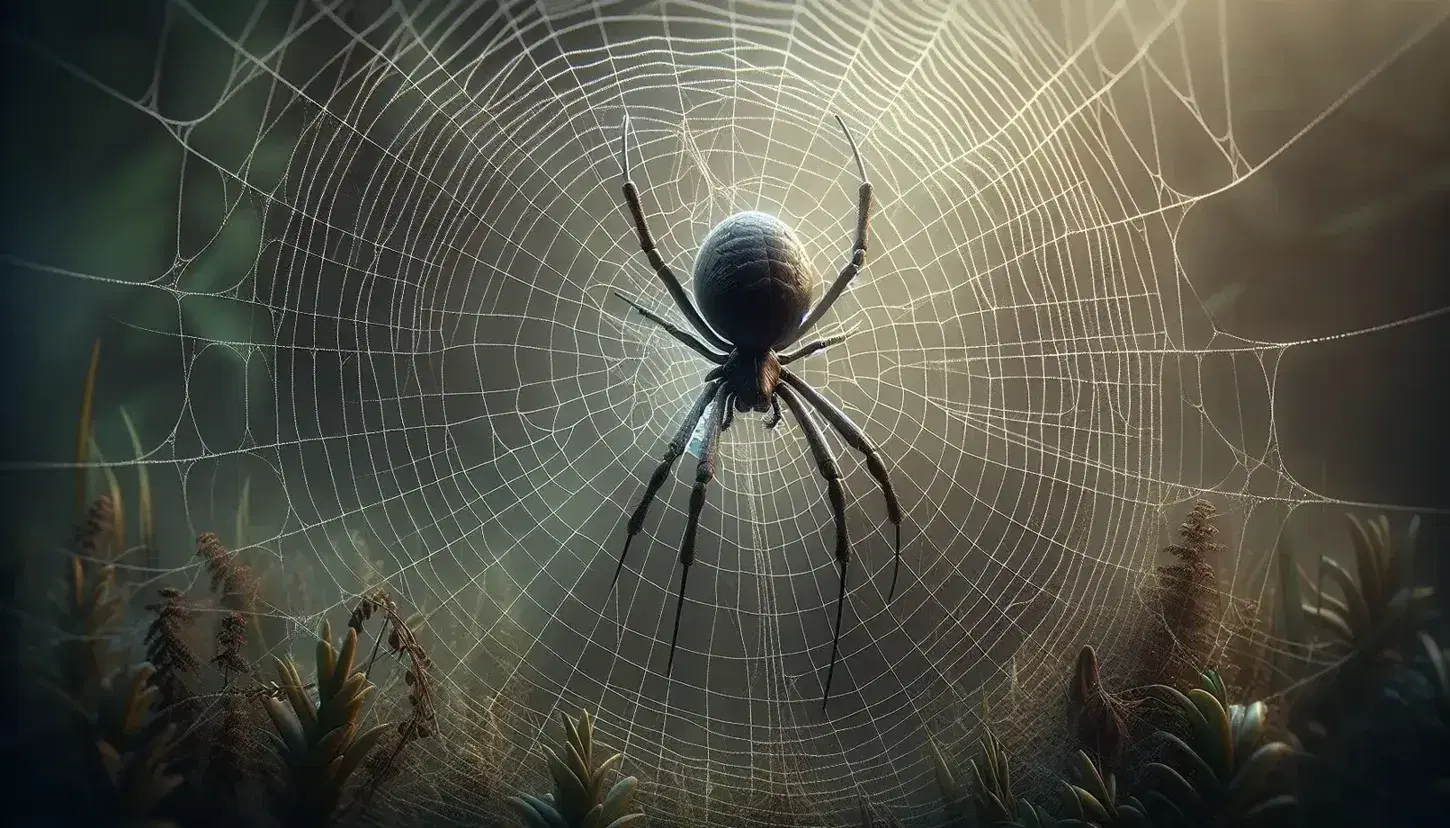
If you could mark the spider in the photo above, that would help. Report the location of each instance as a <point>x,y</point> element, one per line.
<point>753,283</point>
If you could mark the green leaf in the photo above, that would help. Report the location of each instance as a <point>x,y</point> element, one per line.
<point>1218,744</point>
<point>145,516</point>
<point>330,745</point>
<point>1357,613</point>
<point>1092,807</point>
<point>572,796</point>
<point>1331,621</point>
<point>532,818</point>
<point>1244,788</point>
<point>1196,722</point>
<point>1249,731</point>
<point>617,802</point>
<point>1366,562</point>
<point>325,660</point>
<point>945,783</point>
<point>1173,785</point>
<point>596,782</point>
<point>342,668</point>
<point>1208,782</point>
<point>1438,667</point>
<point>576,763</point>
<point>359,750</point>
<point>545,809</point>
<point>1091,780</point>
<point>288,728</point>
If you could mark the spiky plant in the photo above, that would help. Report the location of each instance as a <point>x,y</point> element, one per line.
<point>1092,800</point>
<point>1378,602</point>
<point>990,801</point>
<point>1378,757</point>
<point>135,753</point>
<point>167,648</point>
<point>1437,662</point>
<point>235,585</point>
<point>90,605</point>
<point>580,799</point>
<point>1187,601</point>
<point>1224,772</point>
<point>1438,667</point>
<point>320,742</point>
<point>954,796</point>
<point>231,643</point>
<point>992,782</point>
<point>232,755</point>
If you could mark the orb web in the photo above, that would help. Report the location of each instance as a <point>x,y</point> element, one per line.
<point>399,229</point>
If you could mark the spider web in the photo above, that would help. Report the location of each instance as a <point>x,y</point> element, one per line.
<point>386,322</point>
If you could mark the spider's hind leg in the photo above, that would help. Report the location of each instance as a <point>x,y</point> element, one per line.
<point>852,434</point>
<point>831,473</point>
<point>676,448</point>
<point>704,473</point>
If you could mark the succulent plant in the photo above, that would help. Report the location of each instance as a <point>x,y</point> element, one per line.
<point>1438,662</point>
<point>990,801</point>
<point>580,799</point>
<point>136,755</point>
<point>953,796</point>
<point>1379,600</point>
<point>1092,800</point>
<point>1223,773</point>
<point>1378,746</point>
<point>319,742</point>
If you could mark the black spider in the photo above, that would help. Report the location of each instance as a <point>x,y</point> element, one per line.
<point>753,281</point>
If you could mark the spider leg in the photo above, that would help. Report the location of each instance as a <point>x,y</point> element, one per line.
<point>727,413</point>
<point>682,335</point>
<point>647,246</point>
<point>704,473</point>
<point>806,350</point>
<point>774,413</point>
<point>858,250</point>
<point>831,473</point>
<point>852,434</point>
<point>713,384</point>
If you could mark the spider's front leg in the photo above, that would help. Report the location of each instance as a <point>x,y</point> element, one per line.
<point>656,261</point>
<point>858,249</point>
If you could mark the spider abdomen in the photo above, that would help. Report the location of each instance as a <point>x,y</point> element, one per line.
<point>753,280</point>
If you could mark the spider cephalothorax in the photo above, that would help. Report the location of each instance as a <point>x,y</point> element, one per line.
<point>753,282</point>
